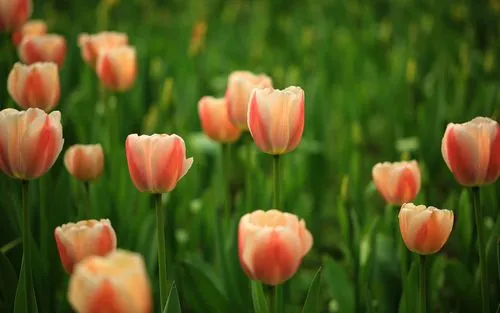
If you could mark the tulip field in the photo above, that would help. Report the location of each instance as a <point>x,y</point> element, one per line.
<point>232,156</point>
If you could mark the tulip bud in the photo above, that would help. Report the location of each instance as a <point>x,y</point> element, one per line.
<point>397,182</point>
<point>43,48</point>
<point>425,230</point>
<point>116,283</point>
<point>271,245</point>
<point>30,28</point>
<point>117,68</point>
<point>76,241</point>
<point>276,119</point>
<point>239,88</point>
<point>34,86</point>
<point>156,163</point>
<point>472,151</point>
<point>13,13</point>
<point>91,45</point>
<point>30,142</point>
<point>84,162</point>
<point>215,120</point>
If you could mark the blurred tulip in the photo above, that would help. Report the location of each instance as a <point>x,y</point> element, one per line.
<point>43,48</point>
<point>91,45</point>
<point>116,283</point>
<point>472,151</point>
<point>397,182</point>
<point>276,119</point>
<point>271,245</point>
<point>35,85</point>
<point>117,68</point>
<point>425,230</point>
<point>215,120</point>
<point>30,28</point>
<point>239,88</point>
<point>84,162</point>
<point>156,163</point>
<point>30,142</point>
<point>76,241</point>
<point>13,13</point>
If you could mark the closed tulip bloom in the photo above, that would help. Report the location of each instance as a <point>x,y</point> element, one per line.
<point>30,28</point>
<point>13,13</point>
<point>271,245</point>
<point>397,182</point>
<point>35,85</point>
<point>472,151</point>
<point>76,241</point>
<point>30,142</point>
<point>91,45</point>
<point>84,162</point>
<point>115,283</point>
<point>117,68</point>
<point>43,48</point>
<point>156,163</point>
<point>239,88</point>
<point>425,230</point>
<point>276,119</point>
<point>215,120</point>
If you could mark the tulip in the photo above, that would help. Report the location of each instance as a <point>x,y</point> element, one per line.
<point>276,119</point>
<point>30,142</point>
<point>472,151</point>
<point>271,245</point>
<point>116,68</point>
<point>91,45</point>
<point>34,86</point>
<point>84,162</point>
<point>43,48</point>
<point>116,283</point>
<point>425,230</point>
<point>76,241</point>
<point>156,163</point>
<point>13,13</point>
<point>215,120</point>
<point>397,182</point>
<point>239,88</point>
<point>30,28</point>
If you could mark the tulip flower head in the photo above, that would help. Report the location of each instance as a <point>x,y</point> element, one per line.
<point>91,45</point>
<point>425,230</point>
<point>271,245</point>
<point>43,48</point>
<point>397,182</point>
<point>116,68</point>
<point>215,120</point>
<point>84,162</point>
<point>30,28</point>
<point>472,151</point>
<point>13,14</point>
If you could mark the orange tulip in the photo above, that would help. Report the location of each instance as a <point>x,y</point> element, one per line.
<point>30,142</point>
<point>397,182</point>
<point>239,88</point>
<point>472,151</point>
<point>117,68</point>
<point>76,241</point>
<point>84,162</point>
<point>30,28</point>
<point>43,48</point>
<point>35,85</point>
<point>116,283</point>
<point>271,245</point>
<point>425,230</point>
<point>13,13</point>
<point>276,119</point>
<point>156,163</point>
<point>215,120</point>
<point>91,45</point>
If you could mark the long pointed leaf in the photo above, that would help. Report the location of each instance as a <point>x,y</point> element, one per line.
<point>312,304</point>
<point>259,298</point>
<point>8,281</point>
<point>21,298</point>
<point>173,305</point>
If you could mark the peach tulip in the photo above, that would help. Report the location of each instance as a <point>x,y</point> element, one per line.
<point>271,245</point>
<point>116,68</point>
<point>91,45</point>
<point>115,283</point>
<point>30,142</point>
<point>13,13</point>
<point>215,120</point>
<point>276,119</point>
<point>43,48</point>
<point>84,162</point>
<point>156,163</point>
<point>35,85</point>
<point>76,241</point>
<point>239,88</point>
<point>397,182</point>
<point>472,151</point>
<point>425,230</point>
<point>30,28</point>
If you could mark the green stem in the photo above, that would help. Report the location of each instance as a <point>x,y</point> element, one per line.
<point>27,247</point>
<point>162,255</point>
<point>423,284</point>
<point>276,181</point>
<point>88,209</point>
<point>248,175</point>
<point>478,214</point>
<point>278,299</point>
<point>226,169</point>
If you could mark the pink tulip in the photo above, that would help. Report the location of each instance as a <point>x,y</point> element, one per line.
<point>117,68</point>
<point>13,13</point>
<point>84,162</point>
<point>42,48</point>
<point>215,120</point>
<point>91,45</point>
<point>397,182</point>
<point>30,28</point>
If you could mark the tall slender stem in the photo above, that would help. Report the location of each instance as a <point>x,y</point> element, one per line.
<point>248,175</point>
<point>226,168</point>
<point>276,181</point>
<point>423,284</point>
<point>478,214</point>
<point>162,255</point>
<point>27,247</point>
<point>87,211</point>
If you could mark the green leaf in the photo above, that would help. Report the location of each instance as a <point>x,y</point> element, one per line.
<point>464,224</point>
<point>312,303</point>
<point>340,286</point>
<point>8,281</point>
<point>259,298</point>
<point>173,305</point>
<point>409,298</point>
<point>21,300</point>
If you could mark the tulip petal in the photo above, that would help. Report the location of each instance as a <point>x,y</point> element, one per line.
<point>136,162</point>
<point>462,155</point>
<point>258,130</point>
<point>105,299</point>
<point>494,160</point>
